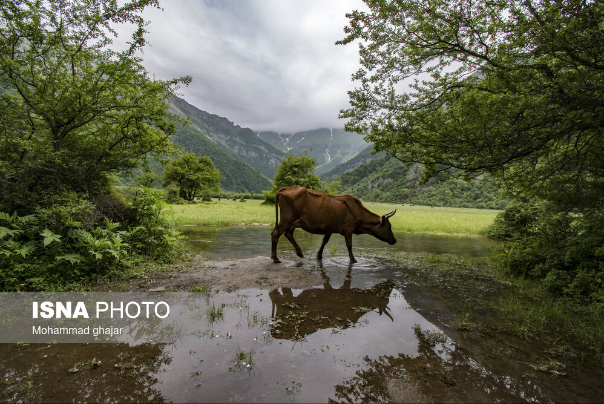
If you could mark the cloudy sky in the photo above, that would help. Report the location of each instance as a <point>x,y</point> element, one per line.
<point>263,64</point>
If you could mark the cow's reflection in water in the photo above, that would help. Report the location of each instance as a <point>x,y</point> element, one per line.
<point>295,317</point>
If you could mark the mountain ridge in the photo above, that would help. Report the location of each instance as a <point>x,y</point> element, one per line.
<point>328,146</point>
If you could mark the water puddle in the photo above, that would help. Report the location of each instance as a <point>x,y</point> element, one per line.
<point>250,241</point>
<point>366,333</point>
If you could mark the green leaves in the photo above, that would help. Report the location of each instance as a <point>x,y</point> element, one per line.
<point>513,89</point>
<point>74,109</point>
<point>510,88</point>
<point>150,233</point>
<point>30,251</point>
<point>71,258</point>
<point>298,169</point>
<point>507,88</point>
<point>5,231</point>
<point>193,175</point>
<point>49,237</point>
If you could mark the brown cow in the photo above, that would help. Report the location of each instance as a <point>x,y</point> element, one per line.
<point>319,213</point>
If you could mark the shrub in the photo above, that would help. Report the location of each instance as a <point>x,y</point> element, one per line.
<point>33,256</point>
<point>76,240</point>
<point>564,250</point>
<point>172,194</point>
<point>151,234</point>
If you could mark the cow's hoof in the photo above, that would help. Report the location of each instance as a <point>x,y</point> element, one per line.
<point>276,261</point>
<point>352,261</point>
<point>299,253</point>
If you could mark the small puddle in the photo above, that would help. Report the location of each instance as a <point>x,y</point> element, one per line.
<point>366,333</point>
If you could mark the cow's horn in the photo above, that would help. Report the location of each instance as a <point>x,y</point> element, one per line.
<point>387,215</point>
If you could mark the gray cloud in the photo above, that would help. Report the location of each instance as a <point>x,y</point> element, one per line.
<point>267,65</point>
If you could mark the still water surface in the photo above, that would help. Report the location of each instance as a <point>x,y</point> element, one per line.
<point>246,242</point>
<point>366,334</point>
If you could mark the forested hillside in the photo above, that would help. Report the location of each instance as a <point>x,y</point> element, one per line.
<point>329,147</point>
<point>248,162</point>
<point>242,142</point>
<point>238,175</point>
<point>382,178</point>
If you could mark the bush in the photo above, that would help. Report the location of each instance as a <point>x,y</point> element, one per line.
<point>269,196</point>
<point>75,240</point>
<point>564,250</point>
<point>172,194</point>
<point>36,252</point>
<point>151,234</point>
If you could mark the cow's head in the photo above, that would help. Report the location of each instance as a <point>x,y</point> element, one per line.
<point>383,230</point>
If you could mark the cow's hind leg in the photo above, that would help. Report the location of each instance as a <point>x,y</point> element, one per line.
<point>325,240</point>
<point>275,239</point>
<point>289,233</point>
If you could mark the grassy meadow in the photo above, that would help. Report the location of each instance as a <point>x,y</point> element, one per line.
<point>408,219</point>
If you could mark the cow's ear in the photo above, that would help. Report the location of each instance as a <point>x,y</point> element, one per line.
<point>381,219</point>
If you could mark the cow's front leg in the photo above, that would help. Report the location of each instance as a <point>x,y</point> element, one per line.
<point>289,233</point>
<point>348,238</point>
<point>325,240</point>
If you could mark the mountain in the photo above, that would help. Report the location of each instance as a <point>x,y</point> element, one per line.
<point>238,175</point>
<point>382,178</point>
<point>245,162</point>
<point>363,157</point>
<point>248,160</point>
<point>329,146</point>
<point>242,143</point>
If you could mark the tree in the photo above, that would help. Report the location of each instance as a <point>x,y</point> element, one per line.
<point>193,175</point>
<point>512,88</point>
<point>147,178</point>
<point>74,112</point>
<point>74,109</point>
<point>298,169</point>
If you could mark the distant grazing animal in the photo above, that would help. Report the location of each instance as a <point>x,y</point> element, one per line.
<point>318,213</point>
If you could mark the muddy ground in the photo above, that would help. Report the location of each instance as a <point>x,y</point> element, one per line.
<point>227,276</point>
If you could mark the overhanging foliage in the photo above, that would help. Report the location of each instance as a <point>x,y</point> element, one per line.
<point>73,108</point>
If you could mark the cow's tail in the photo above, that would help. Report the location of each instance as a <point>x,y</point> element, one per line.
<point>277,209</point>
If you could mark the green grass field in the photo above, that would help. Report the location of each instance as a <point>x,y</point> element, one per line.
<point>408,219</point>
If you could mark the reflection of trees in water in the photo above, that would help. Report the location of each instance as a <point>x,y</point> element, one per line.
<point>40,372</point>
<point>314,309</point>
<point>439,373</point>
